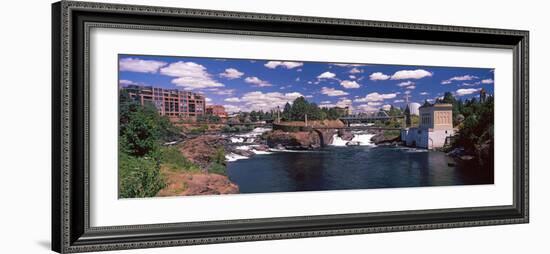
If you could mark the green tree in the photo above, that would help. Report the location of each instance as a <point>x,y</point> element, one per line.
<point>299,108</point>
<point>476,134</point>
<point>138,176</point>
<point>140,134</point>
<point>141,131</point>
<point>286,112</point>
<point>448,98</point>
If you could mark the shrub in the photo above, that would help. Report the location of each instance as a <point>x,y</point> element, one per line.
<point>219,156</point>
<point>138,177</point>
<point>172,157</point>
<point>217,168</point>
<point>228,128</point>
<point>199,130</point>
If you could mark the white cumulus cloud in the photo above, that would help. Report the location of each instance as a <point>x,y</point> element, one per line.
<point>459,78</point>
<point>256,81</point>
<point>411,74</point>
<point>140,65</point>
<point>332,92</point>
<point>190,75</point>
<point>378,76</point>
<point>266,101</point>
<point>326,75</point>
<point>126,82</point>
<point>232,108</point>
<point>376,97</point>
<point>349,84</point>
<point>406,83</point>
<point>286,65</point>
<point>487,81</point>
<point>386,107</point>
<point>231,73</point>
<point>218,91</point>
<point>232,99</point>
<point>355,70</point>
<point>466,91</point>
<point>367,108</point>
<point>342,103</point>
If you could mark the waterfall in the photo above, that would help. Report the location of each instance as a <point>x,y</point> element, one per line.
<point>359,139</point>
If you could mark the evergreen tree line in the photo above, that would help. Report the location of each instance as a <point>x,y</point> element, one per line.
<point>301,107</point>
<point>475,119</point>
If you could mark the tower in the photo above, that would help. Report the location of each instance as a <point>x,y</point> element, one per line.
<point>407,116</point>
<point>482,95</point>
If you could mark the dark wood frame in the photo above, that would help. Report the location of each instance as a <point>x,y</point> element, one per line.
<point>71,22</point>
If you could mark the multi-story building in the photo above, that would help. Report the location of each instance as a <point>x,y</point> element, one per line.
<point>169,102</point>
<point>436,126</point>
<point>216,110</point>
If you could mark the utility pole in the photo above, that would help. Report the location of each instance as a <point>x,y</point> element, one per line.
<point>278,114</point>
<point>306,119</point>
<point>407,96</point>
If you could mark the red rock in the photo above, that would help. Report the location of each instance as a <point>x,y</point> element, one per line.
<point>191,184</point>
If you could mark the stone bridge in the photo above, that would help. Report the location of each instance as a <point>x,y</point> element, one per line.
<point>326,133</point>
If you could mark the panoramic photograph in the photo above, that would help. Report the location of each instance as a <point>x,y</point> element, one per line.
<point>209,126</point>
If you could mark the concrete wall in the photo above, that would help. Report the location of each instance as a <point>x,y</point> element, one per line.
<point>425,138</point>
<point>438,137</point>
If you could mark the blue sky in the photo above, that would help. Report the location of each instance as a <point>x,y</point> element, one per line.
<point>249,84</point>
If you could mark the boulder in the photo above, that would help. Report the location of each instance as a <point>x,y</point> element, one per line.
<point>345,135</point>
<point>300,140</point>
<point>262,147</point>
<point>245,153</point>
<point>381,139</point>
<point>199,150</point>
<point>353,143</point>
<point>190,184</point>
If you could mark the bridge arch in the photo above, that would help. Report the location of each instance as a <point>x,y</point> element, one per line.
<point>321,137</point>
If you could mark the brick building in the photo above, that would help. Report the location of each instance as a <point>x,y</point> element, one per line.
<point>216,110</point>
<point>169,102</point>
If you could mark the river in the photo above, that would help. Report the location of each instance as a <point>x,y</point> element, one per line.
<point>340,167</point>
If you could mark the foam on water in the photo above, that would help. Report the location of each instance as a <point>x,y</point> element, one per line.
<point>249,137</point>
<point>237,140</point>
<point>358,138</point>
<point>338,141</point>
<point>234,157</point>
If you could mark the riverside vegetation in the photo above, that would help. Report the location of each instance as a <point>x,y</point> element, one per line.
<point>475,121</point>
<point>146,167</point>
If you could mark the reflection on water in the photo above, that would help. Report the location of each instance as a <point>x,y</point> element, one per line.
<point>360,167</point>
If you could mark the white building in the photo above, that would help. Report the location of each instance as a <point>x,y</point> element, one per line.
<point>414,108</point>
<point>436,126</point>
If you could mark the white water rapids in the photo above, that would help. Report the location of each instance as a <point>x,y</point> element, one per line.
<point>359,139</point>
<point>246,138</point>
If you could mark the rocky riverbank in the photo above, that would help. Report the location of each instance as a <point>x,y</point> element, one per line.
<point>199,150</point>
<point>481,154</point>
<point>307,140</point>
<point>203,151</point>
<point>300,140</point>
<point>190,184</point>
<point>382,138</point>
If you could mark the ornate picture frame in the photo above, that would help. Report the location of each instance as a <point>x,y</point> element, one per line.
<point>71,229</point>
